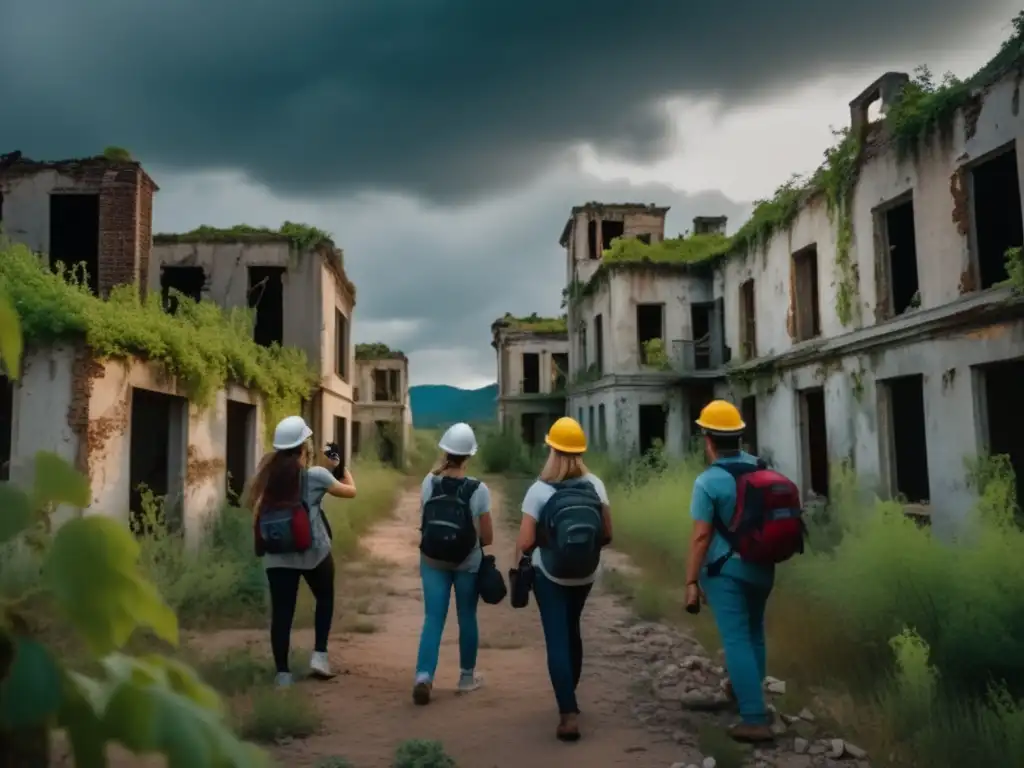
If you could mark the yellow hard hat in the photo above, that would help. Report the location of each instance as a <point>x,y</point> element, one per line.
<point>566,436</point>
<point>720,416</point>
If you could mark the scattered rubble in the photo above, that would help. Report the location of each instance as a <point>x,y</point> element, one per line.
<point>681,691</point>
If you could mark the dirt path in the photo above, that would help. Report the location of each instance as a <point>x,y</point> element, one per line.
<point>509,722</point>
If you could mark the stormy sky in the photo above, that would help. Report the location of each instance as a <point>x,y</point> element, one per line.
<point>442,142</point>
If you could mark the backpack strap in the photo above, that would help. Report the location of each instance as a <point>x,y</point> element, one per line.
<point>737,470</point>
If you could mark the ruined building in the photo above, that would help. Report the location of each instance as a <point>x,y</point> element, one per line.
<point>877,324</point>
<point>383,413</point>
<point>299,291</point>
<point>533,371</point>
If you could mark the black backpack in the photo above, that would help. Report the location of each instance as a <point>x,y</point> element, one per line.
<point>447,533</point>
<point>572,529</point>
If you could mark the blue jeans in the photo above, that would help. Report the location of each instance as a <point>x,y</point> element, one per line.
<point>437,591</point>
<point>739,613</point>
<point>560,610</point>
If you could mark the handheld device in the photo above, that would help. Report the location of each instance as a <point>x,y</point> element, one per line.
<point>333,452</point>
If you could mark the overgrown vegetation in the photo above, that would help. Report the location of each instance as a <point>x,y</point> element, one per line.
<point>534,323</point>
<point>422,753</point>
<point>655,355</point>
<point>920,633</point>
<point>1015,269</point>
<point>303,237</point>
<point>376,351</point>
<point>118,155</point>
<point>202,345</point>
<point>685,249</point>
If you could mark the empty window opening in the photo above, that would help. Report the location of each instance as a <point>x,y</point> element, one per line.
<point>355,394</point>
<point>1005,416</point>
<point>998,223</point>
<point>357,430</point>
<point>602,429</point>
<point>807,306</point>
<point>610,230</point>
<point>650,325</point>
<point>395,384</point>
<point>815,441</point>
<point>700,325</point>
<point>909,441</point>
<point>902,246</point>
<point>652,427</point>
<point>748,321</point>
<point>341,345</point>
<point>75,235</point>
<point>6,426</point>
<point>156,459</point>
<point>579,416</point>
<point>699,395</point>
<point>186,280</point>
<point>599,343</point>
<point>748,412</point>
<point>531,373</point>
<point>559,371</point>
<point>645,238</point>
<point>380,385</point>
<point>592,251</point>
<point>583,348</point>
<point>266,296</point>
<point>386,449</point>
<point>241,434</point>
<point>591,427</point>
<point>341,436</point>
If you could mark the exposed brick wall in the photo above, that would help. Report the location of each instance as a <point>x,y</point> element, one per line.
<point>145,233</point>
<point>119,230</point>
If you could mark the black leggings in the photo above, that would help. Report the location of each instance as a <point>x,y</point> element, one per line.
<point>284,592</point>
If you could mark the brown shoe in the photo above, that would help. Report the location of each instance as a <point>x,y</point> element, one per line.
<point>421,694</point>
<point>567,730</point>
<point>735,703</point>
<point>747,733</point>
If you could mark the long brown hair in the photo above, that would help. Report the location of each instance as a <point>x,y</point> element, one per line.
<point>563,466</point>
<point>276,479</point>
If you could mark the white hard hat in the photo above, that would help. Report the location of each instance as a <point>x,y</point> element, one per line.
<point>458,440</point>
<point>291,432</point>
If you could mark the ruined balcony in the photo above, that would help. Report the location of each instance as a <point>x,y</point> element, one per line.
<point>700,357</point>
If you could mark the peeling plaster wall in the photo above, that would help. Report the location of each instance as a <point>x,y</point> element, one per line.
<point>622,403</point>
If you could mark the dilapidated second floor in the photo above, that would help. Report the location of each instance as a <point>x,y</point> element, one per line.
<point>533,356</point>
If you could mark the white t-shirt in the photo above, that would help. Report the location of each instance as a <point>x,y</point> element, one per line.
<point>536,497</point>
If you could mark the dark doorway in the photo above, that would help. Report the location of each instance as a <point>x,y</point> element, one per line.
<point>75,235</point>
<point>1005,416</point>
<point>385,443</point>
<point>241,426</point>
<point>815,437</point>
<point>998,222</point>
<point>700,323</point>
<point>902,244</point>
<point>266,295</point>
<point>357,429</point>
<point>610,230</point>
<point>909,440</point>
<point>652,427</point>
<point>592,251</point>
<point>155,440</point>
<point>340,345</point>
<point>591,426</point>
<point>187,280</point>
<point>531,373</point>
<point>599,343</point>
<point>748,412</point>
<point>649,325</point>
<point>6,426</point>
<point>530,428</point>
<point>806,301</point>
<point>602,429</point>
<point>341,436</point>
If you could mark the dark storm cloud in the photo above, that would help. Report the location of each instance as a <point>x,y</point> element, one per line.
<point>447,99</point>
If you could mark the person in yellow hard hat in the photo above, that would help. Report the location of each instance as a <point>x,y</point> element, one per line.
<point>739,593</point>
<point>566,521</point>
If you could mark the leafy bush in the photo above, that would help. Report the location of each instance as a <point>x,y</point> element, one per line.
<point>274,714</point>
<point>422,753</point>
<point>90,574</point>
<point>502,451</point>
<point>202,345</point>
<point>870,573</point>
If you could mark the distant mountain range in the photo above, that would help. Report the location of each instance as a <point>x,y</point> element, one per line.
<point>438,405</point>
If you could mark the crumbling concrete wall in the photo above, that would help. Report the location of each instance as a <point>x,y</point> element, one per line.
<point>513,346</point>
<point>621,401</point>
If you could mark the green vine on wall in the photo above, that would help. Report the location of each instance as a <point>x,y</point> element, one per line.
<point>303,237</point>
<point>1015,269</point>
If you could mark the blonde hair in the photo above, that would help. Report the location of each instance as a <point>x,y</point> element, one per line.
<point>448,461</point>
<point>563,466</point>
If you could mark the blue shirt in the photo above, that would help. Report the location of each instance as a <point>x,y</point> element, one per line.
<point>714,493</point>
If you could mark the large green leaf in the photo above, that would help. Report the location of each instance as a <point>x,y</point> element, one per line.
<point>31,692</point>
<point>10,338</point>
<point>58,482</point>
<point>15,512</point>
<point>83,698</point>
<point>92,570</point>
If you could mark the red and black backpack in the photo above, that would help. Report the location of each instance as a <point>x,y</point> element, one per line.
<point>767,526</point>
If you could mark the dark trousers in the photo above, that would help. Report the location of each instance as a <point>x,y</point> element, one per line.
<point>560,611</point>
<point>284,592</point>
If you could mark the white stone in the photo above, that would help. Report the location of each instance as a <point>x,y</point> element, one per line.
<point>806,714</point>
<point>836,748</point>
<point>775,686</point>
<point>800,745</point>
<point>854,751</point>
<point>709,762</point>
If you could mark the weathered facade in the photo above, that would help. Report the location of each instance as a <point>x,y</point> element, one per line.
<point>877,330</point>
<point>383,412</point>
<point>533,373</point>
<point>302,298</point>
<point>124,423</point>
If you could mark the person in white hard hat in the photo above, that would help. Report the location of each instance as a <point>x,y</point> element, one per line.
<point>455,524</point>
<point>284,476</point>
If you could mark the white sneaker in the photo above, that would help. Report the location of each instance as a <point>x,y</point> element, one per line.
<point>320,666</point>
<point>469,681</point>
<point>283,680</point>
